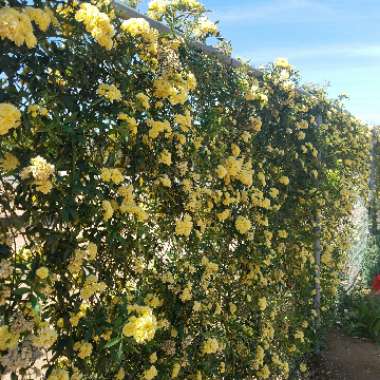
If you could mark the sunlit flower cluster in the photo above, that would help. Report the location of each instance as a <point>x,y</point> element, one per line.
<point>139,27</point>
<point>37,110</point>
<point>205,28</point>
<point>109,91</point>
<point>9,162</point>
<point>10,117</point>
<point>16,24</point>
<point>45,337</point>
<point>141,327</point>
<point>41,172</point>
<point>97,23</point>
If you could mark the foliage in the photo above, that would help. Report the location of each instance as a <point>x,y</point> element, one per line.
<point>359,309</point>
<point>371,262</point>
<point>158,206</point>
<point>360,314</point>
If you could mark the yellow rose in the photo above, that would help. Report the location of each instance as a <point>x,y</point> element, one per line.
<point>184,226</point>
<point>9,162</point>
<point>10,117</point>
<point>42,273</point>
<point>242,224</point>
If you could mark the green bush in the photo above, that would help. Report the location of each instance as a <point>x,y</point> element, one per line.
<point>371,261</point>
<point>360,314</point>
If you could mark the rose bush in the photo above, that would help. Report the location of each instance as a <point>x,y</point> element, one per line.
<point>157,206</point>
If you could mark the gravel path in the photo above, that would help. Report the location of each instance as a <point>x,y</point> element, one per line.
<point>348,358</point>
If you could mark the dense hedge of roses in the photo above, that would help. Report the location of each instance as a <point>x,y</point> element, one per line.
<point>157,206</point>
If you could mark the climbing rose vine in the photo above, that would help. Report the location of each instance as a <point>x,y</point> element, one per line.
<point>157,207</point>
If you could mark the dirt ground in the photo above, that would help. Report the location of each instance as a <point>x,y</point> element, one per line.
<point>347,358</point>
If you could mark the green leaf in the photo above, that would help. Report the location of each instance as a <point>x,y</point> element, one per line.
<point>21,291</point>
<point>119,354</point>
<point>5,251</point>
<point>35,305</point>
<point>112,342</point>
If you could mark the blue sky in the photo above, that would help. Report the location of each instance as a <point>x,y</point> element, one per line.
<point>335,42</point>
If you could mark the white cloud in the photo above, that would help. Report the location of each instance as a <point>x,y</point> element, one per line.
<point>293,12</point>
<point>338,52</point>
<point>275,10</point>
<point>369,118</point>
<point>352,51</point>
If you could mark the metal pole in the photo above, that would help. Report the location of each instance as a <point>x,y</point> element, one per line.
<point>317,256</point>
<point>372,199</point>
<point>317,298</point>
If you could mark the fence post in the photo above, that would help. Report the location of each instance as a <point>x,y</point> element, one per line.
<point>372,201</point>
<point>317,256</point>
